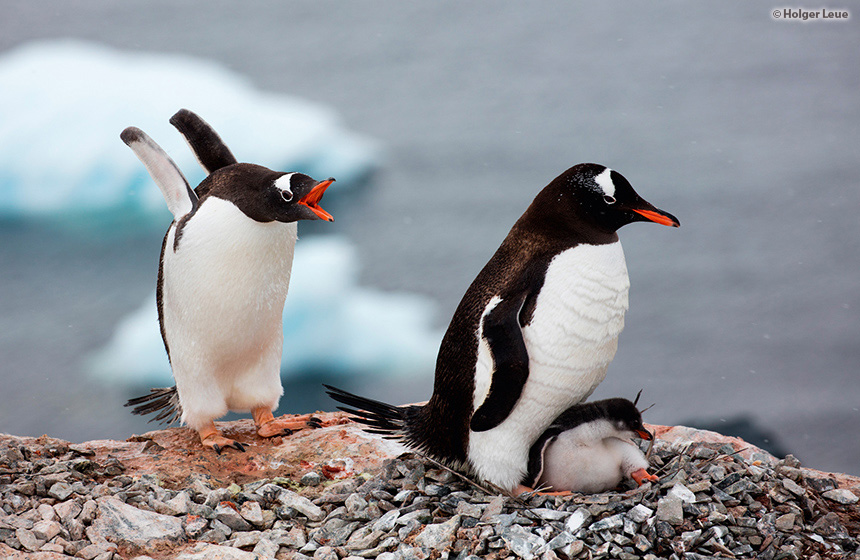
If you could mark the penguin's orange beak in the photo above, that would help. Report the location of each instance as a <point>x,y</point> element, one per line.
<point>659,217</point>
<point>311,200</point>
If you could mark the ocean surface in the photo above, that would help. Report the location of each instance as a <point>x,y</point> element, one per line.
<point>743,126</point>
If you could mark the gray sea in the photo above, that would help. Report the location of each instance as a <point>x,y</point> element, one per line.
<point>746,127</point>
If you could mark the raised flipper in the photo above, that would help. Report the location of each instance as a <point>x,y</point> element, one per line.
<point>502,330</point>
<point>181,200</point>
<point>207,146</point>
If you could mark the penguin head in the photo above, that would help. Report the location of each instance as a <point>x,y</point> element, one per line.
<point>601,197</point>
<point>625,417</point>
<point>265,195</point>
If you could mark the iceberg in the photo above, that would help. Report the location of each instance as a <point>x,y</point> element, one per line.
<point>64,103</point>
<point>331,325</point>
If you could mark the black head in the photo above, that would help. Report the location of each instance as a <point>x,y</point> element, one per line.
<point>592,196</point>
<point>265,195</point>
<point>624,415</point>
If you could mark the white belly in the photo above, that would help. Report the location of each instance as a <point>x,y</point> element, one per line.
<point>571,339</point>
<point>223,299</point>
<point>570,464</point>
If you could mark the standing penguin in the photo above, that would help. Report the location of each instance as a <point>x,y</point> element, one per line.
<point>588,448</point>
<point>533,334</point>
<point>222,282</point>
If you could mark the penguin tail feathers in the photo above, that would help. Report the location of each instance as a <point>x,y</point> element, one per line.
<point>164,401</point>
<point>381,418</point>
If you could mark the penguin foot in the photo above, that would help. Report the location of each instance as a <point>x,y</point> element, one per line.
<point>642,476</point>
<point>269,426</point>
<point>218,442</point>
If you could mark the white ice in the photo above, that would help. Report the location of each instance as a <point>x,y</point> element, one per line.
<point>64,103</point>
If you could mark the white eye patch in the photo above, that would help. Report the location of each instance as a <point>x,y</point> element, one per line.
<point>282,183</point>
<point>604,181</point>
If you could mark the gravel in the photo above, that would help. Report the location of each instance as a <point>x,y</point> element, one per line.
<point>708,503</point>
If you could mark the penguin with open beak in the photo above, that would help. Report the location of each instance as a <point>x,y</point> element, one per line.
<point>223,278</point>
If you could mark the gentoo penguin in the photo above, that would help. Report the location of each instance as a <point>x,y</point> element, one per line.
<point>222,282</point>
<point>534,333</point>
<point>588,448</point>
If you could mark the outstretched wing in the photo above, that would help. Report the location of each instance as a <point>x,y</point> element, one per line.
<point>181,200</point>
<point>207,146</point>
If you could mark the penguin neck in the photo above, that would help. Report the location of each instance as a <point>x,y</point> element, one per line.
<point>559,228</point>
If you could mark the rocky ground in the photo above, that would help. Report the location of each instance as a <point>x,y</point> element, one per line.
<point>338,493</point>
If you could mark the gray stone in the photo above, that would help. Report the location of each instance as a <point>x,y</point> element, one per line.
<point>785,523</point>
<point>577,520</point>
<point>88,512</point>
<point>561,540</point>
<point>841,496</point>
<point>206,551</point>
<point>793,487</point>
<point>355,503</point>
<point>670,509</point>
<point>640,513</point>
<point>682,493</point>
<point>95,550</point>
<point>47,530</point>
<point>311,479</point>
<point>493,508</point>
<point>181,503</point>
<point>294,538</point>
<point>195,526</point>
<point>60,491</point>
<point>550,514</point>
<point>46,512</point>
<point>522,542</point>
<point>438,535</point>
<point>469,510</point>
<point>421,516</point>
<point>364,538</point>
<point>387,522</point>
<point>28,539</point>
<point>243,539</point>
<point>266,548</point>
<point>252,512</point>
<point>67,510</point>
<point>325,553</point>
<point>301,504</point>
<point>127,525</point>
<point>231,518</point>
<point>608,523</point>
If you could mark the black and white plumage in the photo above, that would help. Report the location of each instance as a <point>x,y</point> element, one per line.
<point>534,333</point>
<point>223,278</point>
<point>589,448</point>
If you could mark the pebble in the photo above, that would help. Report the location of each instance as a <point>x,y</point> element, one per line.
<point>841,496</point>
<point>710,503</point>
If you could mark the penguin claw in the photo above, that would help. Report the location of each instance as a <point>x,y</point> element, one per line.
<point>314,423</point>
<point>287,432</point>
<point>239,446</point>
<point>217,448</point>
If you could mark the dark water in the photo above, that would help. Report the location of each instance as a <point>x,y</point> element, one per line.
<point>744,127</point>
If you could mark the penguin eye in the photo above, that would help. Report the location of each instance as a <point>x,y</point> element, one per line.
<point>608,199</point>
<point>287,196</point>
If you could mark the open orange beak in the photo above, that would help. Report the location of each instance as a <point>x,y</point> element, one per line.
<point>659,217</point>
<point>311,200</point>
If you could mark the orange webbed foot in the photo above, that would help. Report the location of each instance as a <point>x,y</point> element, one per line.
<point>642,476</point>
<point>210,437</point>
<point>269,426</point>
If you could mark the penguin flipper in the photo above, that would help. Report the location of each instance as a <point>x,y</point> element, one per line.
<point>503,332</point>
<point>207,146</point>
<point>181,200</point>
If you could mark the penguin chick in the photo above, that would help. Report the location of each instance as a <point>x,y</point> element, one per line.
<point>223,278</point>
<point>588,448</point>
<point>532,336</point>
